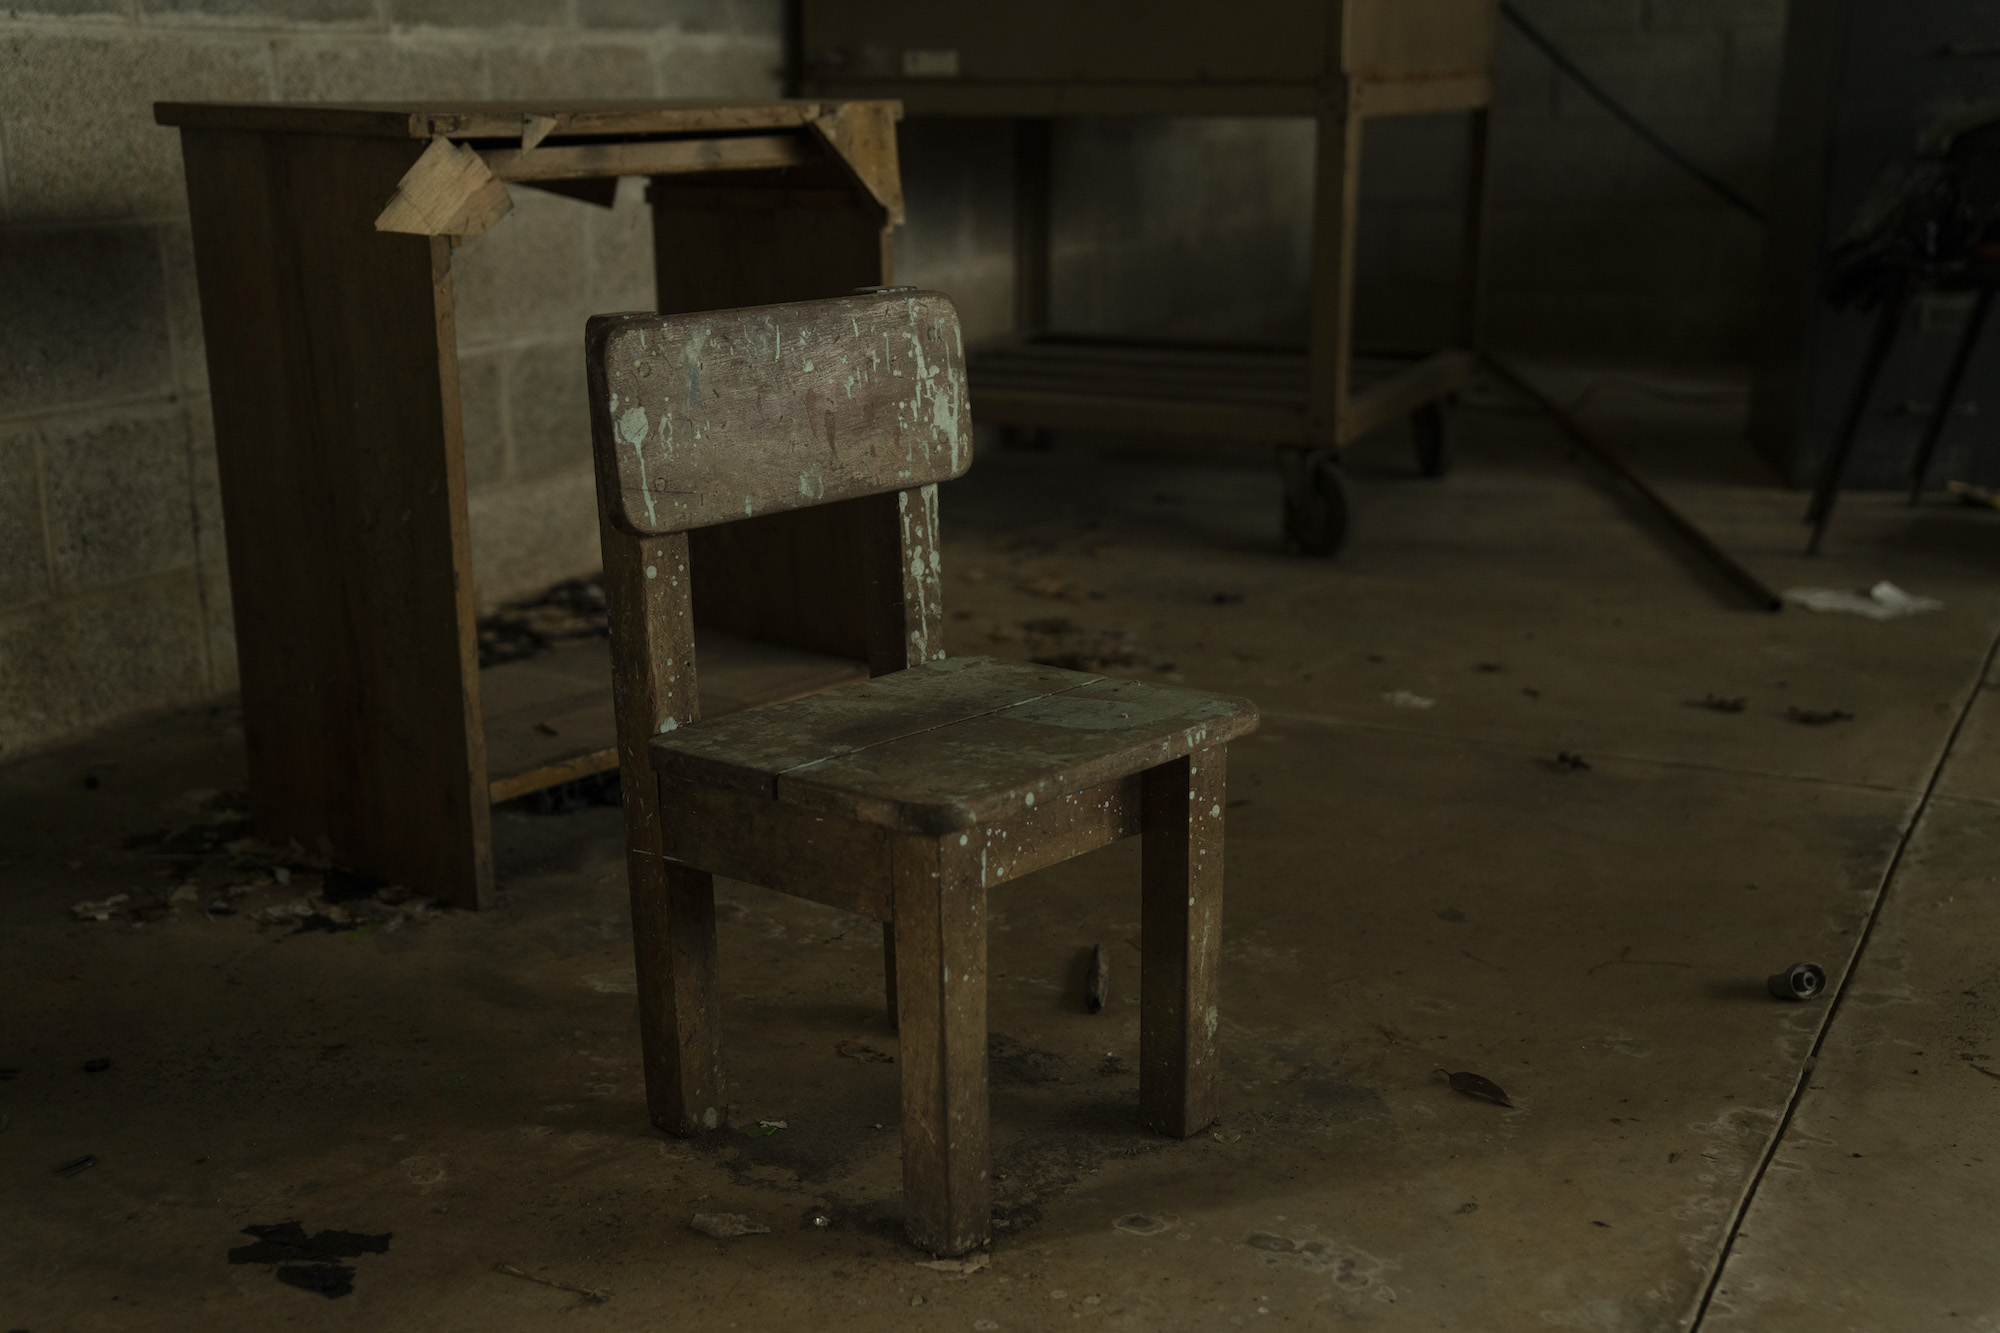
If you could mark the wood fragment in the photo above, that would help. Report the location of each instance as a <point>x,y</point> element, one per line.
<point>534,129</point>
<point>447,192</point>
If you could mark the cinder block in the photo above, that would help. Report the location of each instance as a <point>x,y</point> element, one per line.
<point>205,480</point>
<point>527,535</point>
<point>24,564</point>
<point>350,12</point>
<point>83,316</point>
<point>1756,62</point>
<point>119,502</point>
<point>69,8</point>
<point>686,15</point>
<point>548,408</point>
<point>183,308</point>
<point>1414,159</point>
<point>1675,73</point>
<point>526,278</point>
<point>1559,17</point>
<point>481,392</point>
<point>77,663</point>
<point>621,252</point>
<point>1715,13</point>
<point>480,13</point>
<point>750,67</point>
<point>78,110</point>
<point>357,69</point>
<point>542,69</point>
<point>1524,80</point>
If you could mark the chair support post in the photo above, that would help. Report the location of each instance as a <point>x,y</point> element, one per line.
<point>1181,941</point>
<point>646,587</point>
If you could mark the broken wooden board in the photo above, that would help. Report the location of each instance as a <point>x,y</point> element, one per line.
<point>707,418</point>
<point>448,191</point>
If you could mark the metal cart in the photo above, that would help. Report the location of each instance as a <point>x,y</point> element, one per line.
<point>1340,62</point>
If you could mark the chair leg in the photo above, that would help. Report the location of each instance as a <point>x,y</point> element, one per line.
<point>1181,941</point>
<point>889,968</point>
<point>673,940</point>
<point>940,960</point>
<point>1961,357</point>
<point>1820,512</point>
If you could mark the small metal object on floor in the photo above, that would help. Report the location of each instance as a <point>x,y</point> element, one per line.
<point>1800,981</point>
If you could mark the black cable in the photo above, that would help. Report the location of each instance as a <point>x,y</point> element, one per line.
<point>1639,127</point>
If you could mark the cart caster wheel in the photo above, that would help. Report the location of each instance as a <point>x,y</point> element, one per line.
<point>1036,438</point>
<point>1317,505</point>
<point>1435,425</point>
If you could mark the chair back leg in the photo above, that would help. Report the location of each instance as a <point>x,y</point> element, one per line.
<point>1181,941</point>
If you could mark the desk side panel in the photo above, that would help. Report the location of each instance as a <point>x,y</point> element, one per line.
<point>333,371</point>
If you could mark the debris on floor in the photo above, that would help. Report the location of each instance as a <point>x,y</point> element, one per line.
<point>572,609</point>
<point>1058,641</point>
<point>1716,703</point>
<point>1977,496</point>
<point>727,1226</point>
<point>305,1261</point>
<point>219,868</point>
<point>77,1166</point>
<point>1800,981</point>
<point>1817,717</point>
<point>1404,699</point>
<point>1567,761</point>
<point>98,1065</point>
<point>866,1055</point>
<point>763,1129</point>
<point>591,1295</point>
<point>1477,1086</point>
<point>1884,601</point>
<point>593,791</point>
<point>961,1267</point>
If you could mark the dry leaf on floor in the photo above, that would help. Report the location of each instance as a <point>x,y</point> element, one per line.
<point>1475,1085</point>
<point>867,1055</point>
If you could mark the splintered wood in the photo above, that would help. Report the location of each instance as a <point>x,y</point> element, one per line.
<point>447,192</point>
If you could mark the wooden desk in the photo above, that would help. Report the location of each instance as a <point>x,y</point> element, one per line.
<point>1340,62</point>
<point>323,237</point>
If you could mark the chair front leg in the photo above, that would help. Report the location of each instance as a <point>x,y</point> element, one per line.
<point>1181,941</point>
<point>940,966</point>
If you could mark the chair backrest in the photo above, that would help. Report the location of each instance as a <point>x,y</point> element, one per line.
<point>707,418</point>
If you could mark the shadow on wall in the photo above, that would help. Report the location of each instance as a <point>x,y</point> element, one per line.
<point>114,593</point>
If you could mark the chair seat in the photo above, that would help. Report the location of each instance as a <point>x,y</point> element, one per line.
<point>950,744</point>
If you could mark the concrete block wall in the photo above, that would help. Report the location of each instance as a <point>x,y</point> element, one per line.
<point>1598,247</point>
<point>114,595</point>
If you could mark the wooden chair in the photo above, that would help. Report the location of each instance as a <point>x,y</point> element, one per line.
<point>905,797</point>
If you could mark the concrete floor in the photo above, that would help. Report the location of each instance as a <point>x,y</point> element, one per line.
<point>1411,890</point>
